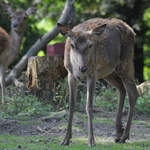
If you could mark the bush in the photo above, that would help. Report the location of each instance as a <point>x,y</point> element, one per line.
<point>26,106</point>
<point>143,104</point>
<point>106,99</point>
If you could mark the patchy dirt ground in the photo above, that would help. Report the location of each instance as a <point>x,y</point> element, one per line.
<point>55,126</point>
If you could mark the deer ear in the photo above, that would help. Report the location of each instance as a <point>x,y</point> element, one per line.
<point>31,11</point>
<point>99,30</point>
<point>63,29</point>
<point>7,8</point>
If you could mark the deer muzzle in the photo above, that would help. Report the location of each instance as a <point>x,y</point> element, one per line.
<point>15,25</point>
<point>83,69</point>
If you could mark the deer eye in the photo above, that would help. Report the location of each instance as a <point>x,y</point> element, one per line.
<point>25,16</point>
<point>72,46</point>
<point>90,45</point>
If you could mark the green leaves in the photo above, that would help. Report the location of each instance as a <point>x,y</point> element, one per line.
<point>143,104</point>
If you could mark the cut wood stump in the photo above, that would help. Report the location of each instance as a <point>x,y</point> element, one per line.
<point>42,74</point>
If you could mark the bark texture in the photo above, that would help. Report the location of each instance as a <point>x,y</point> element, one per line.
<point>42,74</point>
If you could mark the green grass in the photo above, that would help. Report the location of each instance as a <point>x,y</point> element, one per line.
<point>11,142</point>
<point>141,122</point>
<point>29,122</point>
<point>103,120</point>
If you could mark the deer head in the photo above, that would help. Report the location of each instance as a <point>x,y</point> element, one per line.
<point>18,17</point>
<point>82,45</point>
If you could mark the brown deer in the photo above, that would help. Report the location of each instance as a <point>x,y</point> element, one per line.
<point>100,49</point>
<point>10,44</point>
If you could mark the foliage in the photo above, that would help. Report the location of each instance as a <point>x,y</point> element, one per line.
<point>24,106</point>
<point>105,99</point>
<point>61,94</point>
<point>143,104</point>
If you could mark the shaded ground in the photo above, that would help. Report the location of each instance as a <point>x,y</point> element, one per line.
<point>55,126</point>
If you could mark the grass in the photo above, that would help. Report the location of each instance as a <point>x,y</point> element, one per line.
<point>84,118</point>
<point>103,120</point>
<point>141,122</point>
<point>12,142</point>
<point>29,122</point>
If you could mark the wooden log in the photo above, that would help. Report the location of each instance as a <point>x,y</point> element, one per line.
<point>42,74</point>
<point>144,87</point>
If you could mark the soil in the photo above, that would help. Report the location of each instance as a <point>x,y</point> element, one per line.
<point>55,126</point>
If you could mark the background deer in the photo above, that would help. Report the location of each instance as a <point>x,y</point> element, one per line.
<point>10,44</point>
<point>96,49</point>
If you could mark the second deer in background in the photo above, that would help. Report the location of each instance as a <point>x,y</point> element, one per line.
<point>10,44</point>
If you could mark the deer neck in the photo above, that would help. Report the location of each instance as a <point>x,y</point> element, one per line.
<point>15,41</point>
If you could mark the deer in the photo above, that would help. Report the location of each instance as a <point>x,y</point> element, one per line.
<point>10,43</point>
<point>100,49</point>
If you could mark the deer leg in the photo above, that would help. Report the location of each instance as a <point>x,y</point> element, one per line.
<point>132,95</point>
<point>89,109</point>
<point>2,82</point>
<point>117,82</point>
<point>72,96</point>
<point>119,126</point>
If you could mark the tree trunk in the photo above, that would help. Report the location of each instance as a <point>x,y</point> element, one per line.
<point>67,17</point>
<point>42,74</point>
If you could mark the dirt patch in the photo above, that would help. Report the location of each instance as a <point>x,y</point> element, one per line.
<point>55,126</point>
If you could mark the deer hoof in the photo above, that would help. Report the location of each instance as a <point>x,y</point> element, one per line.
<point>19,84</point>
<point>91,144</point>
<point>121,140</point>
<point>119,135</point>
<point>117,140</point>
<point>65,142</point>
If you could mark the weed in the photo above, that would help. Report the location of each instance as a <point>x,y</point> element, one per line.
<point>24,106</point>
<point>143,104</point>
